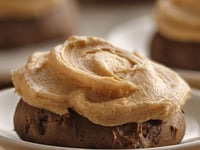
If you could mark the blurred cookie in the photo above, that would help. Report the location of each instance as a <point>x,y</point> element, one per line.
<point>27,22</point>
<point>177,41</point>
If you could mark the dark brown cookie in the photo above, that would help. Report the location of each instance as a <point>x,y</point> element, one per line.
<point>72,130</point>
<point>58,24</point>
<point>174,53</point>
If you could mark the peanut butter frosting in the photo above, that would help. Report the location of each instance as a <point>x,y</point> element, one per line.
<point>101,82</point>
<point>26,9</point>
<point>178,19</point>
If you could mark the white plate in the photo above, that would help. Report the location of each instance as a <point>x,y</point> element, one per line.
<point>10,140</point>
<point>136,35</point>
<point>14,58</point>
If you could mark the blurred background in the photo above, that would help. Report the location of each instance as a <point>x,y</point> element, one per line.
<point>35,25</point>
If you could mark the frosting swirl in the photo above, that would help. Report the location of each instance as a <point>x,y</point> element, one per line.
<point>25,9</point>
<point>104,83</point>
<point>178,19</point>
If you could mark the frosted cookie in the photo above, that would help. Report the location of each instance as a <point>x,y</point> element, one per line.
<point>120,99</point>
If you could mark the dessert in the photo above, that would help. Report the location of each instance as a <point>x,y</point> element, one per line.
<point>177,40</point>
<point>26,22</point>
<point>89,93</point>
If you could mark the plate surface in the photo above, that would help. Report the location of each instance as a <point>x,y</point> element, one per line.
<point>136,35</point>
<point>9,139</point>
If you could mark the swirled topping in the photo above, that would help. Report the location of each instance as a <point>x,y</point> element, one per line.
<point>179,19</point>
<point>26,9</point>
<point>104,83</point>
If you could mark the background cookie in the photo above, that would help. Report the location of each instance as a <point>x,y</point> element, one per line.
<point>58,22</point>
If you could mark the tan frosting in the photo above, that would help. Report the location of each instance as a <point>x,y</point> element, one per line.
<point>102,82</point>
<point>179,19</point>
<point>190,5</point>
<point>26,9</point>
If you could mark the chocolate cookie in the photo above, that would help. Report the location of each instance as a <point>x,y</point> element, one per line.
<point>72,130</point>
<point>175,54</point>
<point>57,24</point>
